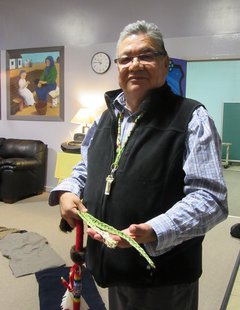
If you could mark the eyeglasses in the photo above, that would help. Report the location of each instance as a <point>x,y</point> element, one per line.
<point>142,58</point>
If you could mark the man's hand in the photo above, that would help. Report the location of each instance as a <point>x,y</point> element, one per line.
<point>69,204</point>
<point>141,233</point>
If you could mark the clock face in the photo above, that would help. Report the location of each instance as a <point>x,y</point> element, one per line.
<point>100,62</point>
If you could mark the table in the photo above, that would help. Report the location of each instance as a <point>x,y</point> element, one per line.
<point>231,298</point>
<point>64,164</point>
<point>226,165</point>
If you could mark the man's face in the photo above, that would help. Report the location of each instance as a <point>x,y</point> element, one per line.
<point>137,78</point>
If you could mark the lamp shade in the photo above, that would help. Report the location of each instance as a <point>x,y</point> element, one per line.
<point>83,116</point>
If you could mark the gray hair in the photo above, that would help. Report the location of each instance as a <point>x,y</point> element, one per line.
<point>150,29</point>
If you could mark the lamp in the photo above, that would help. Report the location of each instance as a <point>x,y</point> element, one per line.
<point>83,117</point>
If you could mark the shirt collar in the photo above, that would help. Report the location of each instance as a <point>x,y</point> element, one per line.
<point>119,102</point>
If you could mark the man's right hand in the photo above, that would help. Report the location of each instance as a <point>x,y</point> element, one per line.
<point>69,204</point>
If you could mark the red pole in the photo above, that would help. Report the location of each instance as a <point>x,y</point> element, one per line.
<point>77,285</point>
<point>79,236</point>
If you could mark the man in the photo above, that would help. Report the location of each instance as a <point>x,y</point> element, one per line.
<point>151,168</point>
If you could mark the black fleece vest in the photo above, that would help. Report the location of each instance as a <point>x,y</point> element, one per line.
<point>148,182</point>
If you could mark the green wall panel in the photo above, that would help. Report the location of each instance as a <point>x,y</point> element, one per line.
<point>231,128</point>
<point>214,83</point>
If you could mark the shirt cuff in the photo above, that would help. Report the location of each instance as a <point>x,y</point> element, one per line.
<point>54,196</point>
<point>165,231</point>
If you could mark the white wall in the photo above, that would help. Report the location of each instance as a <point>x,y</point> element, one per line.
<point>79,79</point>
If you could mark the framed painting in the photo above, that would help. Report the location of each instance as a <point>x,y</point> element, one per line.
<point>176,77</point>
<point>35,84</point>
<point>0,86</point>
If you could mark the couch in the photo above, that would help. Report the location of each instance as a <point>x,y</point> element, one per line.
<point>23,165</point>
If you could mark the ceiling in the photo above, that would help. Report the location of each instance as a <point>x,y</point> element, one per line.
<point>80,22</point>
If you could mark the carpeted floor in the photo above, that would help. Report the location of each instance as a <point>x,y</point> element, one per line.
<point>220,251</point>
<point>232,179</point>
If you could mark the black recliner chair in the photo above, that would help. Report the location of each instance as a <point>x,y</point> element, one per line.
<point>23,166</point>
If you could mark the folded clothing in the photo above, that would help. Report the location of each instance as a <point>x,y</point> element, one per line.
<point>4,231</point>
<point>51,289</point>
<point>28,253</point>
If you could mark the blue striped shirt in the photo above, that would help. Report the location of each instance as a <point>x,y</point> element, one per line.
<point>205,203</point>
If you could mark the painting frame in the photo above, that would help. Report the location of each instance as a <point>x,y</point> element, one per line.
<point>35,84</point>
<point>0,88</point>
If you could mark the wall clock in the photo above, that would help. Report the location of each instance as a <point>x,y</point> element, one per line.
<point>100,62</point>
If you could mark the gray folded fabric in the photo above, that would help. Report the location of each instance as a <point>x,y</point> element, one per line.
<point>28,253</point>
<point>4,231</point>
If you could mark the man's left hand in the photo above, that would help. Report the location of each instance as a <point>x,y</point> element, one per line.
<point>141,233</point>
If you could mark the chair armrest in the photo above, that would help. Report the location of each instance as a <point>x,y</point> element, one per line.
<point>18,163</point>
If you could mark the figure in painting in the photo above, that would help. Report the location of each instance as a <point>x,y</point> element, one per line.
<point>46,84</point>
<point>23,90</point>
